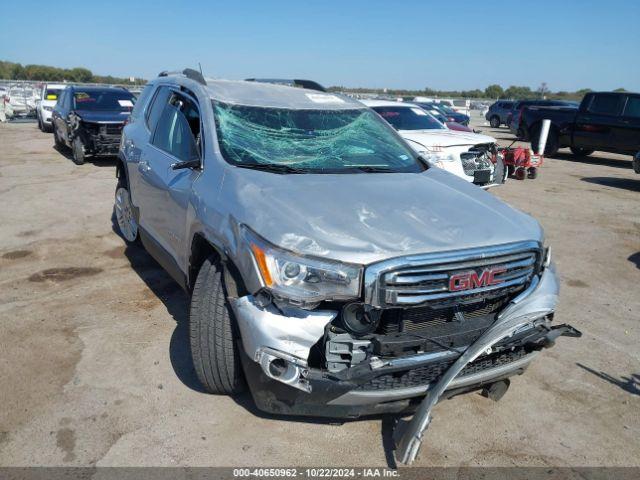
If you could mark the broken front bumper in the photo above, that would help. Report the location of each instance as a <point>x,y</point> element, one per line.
<point>278,342</point>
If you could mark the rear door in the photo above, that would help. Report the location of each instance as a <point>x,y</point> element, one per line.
<point>627,129</point>
<point>596,119</point>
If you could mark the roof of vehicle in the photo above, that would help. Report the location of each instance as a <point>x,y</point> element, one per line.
<point>387,103</point>
<point>55,85</point>
<point>97,88</point>
<point>259,94</point>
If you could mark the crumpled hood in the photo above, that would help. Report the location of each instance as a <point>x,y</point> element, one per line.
<point>102,116</point>
<point>364,218</point>
<point>444,138</point>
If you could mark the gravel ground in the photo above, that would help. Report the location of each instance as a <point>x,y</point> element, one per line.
<point>94,366</point>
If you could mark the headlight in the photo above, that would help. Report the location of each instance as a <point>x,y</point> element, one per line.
<point>437,159</point>
<point>299,279</point>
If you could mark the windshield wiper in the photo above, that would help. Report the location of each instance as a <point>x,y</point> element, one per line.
<point>272,167</point>
<point>372,169</point>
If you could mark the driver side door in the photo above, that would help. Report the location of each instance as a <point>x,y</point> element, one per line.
<point>164,187</point>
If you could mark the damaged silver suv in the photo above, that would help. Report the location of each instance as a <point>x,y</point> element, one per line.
<point>330,269</point>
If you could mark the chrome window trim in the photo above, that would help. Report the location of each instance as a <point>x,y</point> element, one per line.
<point>374,295</point>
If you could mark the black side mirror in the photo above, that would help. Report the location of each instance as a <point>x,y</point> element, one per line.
<point>195,163</point>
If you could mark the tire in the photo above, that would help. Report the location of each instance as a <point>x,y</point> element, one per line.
<point>532,173</point>
<point>494,121</point>
<point>59,144</point>
<point>552,146</point>
<point>124,212</point>
<point>521,173</point>
<point>213,334</point>
<point>636,163</point>
<point>581,152</point>
<point>40,124</point>
<point>77,148</point>
<point>511,170</point>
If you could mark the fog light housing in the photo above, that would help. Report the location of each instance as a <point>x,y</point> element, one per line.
<point>357,320</point>
<point>284,368</point>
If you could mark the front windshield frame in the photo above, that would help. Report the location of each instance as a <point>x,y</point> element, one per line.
<point>245,138</point>
<point>98,106</point>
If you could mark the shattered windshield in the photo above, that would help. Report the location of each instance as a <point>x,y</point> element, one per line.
<point>313,141</point>
<point>409,118</point>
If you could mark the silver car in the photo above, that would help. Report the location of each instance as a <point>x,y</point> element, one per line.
<point>331,270</point>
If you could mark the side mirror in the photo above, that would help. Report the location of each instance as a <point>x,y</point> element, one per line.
<point>195,163</point>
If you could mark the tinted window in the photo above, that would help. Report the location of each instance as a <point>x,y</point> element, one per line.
<point>174,133</point>
<point>633,107</point>
<point>409,118</point>
<point>52,93</point>
<point>103,100</point>
<point>157,106</point>
<point>607,104</point>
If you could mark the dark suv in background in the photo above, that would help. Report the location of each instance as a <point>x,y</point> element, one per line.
<point>515,116</point>
<point>89,120</point>
<point>498,113</point>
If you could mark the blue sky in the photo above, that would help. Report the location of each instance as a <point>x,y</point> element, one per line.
<point>441,44</point>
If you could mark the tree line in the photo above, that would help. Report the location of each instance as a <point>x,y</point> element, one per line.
<point>491,92</point>
<point>16,71</point>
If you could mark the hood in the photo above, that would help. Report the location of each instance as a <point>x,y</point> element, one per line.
<point>102,116</point>
<point>364,218</point>
<point>445,138</point>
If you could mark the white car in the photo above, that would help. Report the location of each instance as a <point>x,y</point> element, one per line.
<point>48,99</point>
<point>22,100</point>
<point>470,156</point>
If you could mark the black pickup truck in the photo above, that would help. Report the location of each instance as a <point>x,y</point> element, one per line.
<point>605,121</point>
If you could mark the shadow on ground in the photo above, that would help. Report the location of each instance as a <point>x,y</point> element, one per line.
<point>630,384</point>
<point>635,259</point>
<point>593,160</point>
<point>98,161</point>
<point>176,302</point>
<point>614,182</point>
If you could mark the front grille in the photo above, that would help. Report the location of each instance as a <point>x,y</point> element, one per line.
<point>109,129</point>
<point>424,279</point>
<point>477,158</point>
<point>433,371</point>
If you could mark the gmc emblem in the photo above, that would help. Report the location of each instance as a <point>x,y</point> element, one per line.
<point>469,280</point>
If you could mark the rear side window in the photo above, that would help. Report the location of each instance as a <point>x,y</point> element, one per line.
<point>175,131</point>
<point>141,103</point>
<point>606,104</point>
<point>157,106</point>
<point>633,107</point>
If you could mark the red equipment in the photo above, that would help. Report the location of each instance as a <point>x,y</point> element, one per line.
<point>521,162</point>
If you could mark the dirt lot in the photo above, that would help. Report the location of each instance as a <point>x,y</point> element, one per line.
<point>94,366</point>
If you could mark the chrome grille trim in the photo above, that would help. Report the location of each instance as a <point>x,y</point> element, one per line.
<point>417,279</point>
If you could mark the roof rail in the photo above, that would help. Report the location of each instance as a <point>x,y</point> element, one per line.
<point>296,82</point>
<point>187,72</point>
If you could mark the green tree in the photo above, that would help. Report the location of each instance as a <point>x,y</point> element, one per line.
<point>493,91</point>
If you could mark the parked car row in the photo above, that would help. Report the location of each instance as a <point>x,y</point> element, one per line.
<point>603,121</point>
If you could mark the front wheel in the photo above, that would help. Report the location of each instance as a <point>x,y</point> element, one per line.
<point>79,154</point>
<point>213,334</point>
<point>125,216</point>
<point>494,121</point>
<point>59,144</point>
<point>581,152</point>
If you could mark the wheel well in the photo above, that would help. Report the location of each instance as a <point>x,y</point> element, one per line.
<point>201,249</point>
<point>121,171</point>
